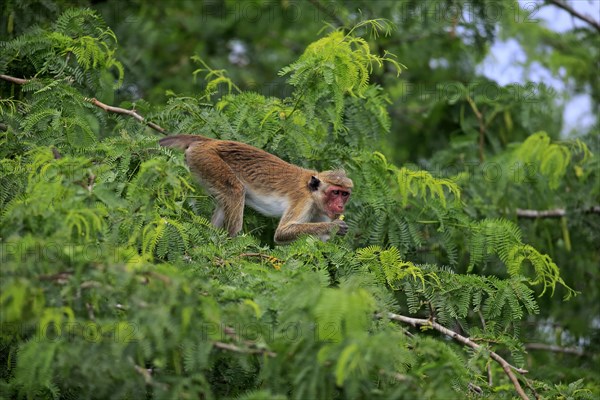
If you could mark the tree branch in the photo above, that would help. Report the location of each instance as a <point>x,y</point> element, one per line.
<point>12,79</point>
<point>252,347</point>
<point>124,111</point>
<point>555,213</point>
<point>275,262</point>
<point>481,123</point>
<point>554,348</point>
<point>145,372</point>
<point>416,322</point>
<point>319,6</point>
<point>236,349</point>
<point>488,366</point>
<point>97,103</point>
<point>575,13</point>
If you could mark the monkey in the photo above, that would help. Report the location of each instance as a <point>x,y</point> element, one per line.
<point>237,174</point>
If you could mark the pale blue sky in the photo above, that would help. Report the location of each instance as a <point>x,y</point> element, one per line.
<point>503,64</point>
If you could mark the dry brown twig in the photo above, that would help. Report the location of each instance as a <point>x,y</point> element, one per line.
<point>237,349</point>
<point>99,104</point>
<point>575,13</point>
<point>508,368</point>
<point>555,349</point>
<point>555,213</point>
<point>124,111</point>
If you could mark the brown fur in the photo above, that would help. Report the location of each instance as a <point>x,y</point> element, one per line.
<point>235,172</point>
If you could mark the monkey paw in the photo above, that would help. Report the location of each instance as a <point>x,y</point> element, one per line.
<point>342,227</point>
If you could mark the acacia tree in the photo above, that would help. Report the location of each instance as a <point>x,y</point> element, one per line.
<point>115,284</point>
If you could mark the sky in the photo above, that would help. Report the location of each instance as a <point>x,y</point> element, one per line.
<point>503,63</point>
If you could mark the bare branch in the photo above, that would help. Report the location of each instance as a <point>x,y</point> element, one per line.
<point>237,349</point>
<point>575,13</point>
<point>481,121</point>
<point>61,278</point>
<point>416,322</point>
<point>90,310</point>
<point>330,13</point>
<point>475,389</point>
<point>12,79</point>
<point>396,375</point>
<point>275,262</point>
<point>145,372</point>
<point>530,386</point>
<point>101,105</point>
<point>252,347</point>
<point>489,367</point>
<point>555,213</point>
<point>131,113</point>
<point>557,349</point>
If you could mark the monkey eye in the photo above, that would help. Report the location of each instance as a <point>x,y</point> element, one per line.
<point>345,194</point>
<point>335,192</point>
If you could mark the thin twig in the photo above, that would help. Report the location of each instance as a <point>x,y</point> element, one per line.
<point>236,349</point>
<point>12,79</point>
<point>101,105</point>
<point>481,123</point>
<point>91,181</point>
<point>145,372</point>
<point>131,113</point>
<point>259,255</point>
<point>575,13</point>
<point>275,262</point>
<point>556,349</point>
<point>396,375</point>
<point>61,278</point>
<point>530,386</point>
<point>555,213</point>
<point>476,389</point>
<point>252,346</point>
<point>90,310</point>
<point>489,367</point>
<point>416,322</point>
<point>319,6</point>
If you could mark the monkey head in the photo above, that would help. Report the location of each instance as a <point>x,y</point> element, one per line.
<point>331,190</point>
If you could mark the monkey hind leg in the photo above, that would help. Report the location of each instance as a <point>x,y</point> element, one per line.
<point>223,184</point>
<point>233,213</point>
<point>218,218</point>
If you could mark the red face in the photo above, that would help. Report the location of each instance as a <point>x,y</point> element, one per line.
<point>335,200</point>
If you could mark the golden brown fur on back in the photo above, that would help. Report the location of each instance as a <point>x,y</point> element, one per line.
<point>251,164</point>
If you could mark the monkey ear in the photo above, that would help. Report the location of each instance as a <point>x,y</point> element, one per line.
<point>314,183</point>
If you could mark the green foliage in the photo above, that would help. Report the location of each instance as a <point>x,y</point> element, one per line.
<point>115,285</point>
<point>332,67</point>
<point>551,159</point>
<point>77,47</point>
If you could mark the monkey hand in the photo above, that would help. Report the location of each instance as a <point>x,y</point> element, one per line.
<point>342,227</point>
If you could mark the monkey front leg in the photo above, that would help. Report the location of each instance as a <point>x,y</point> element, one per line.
<point>291,231</point>
<point>220,181</point>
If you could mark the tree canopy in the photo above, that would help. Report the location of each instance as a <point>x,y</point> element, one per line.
<point>470,269</point>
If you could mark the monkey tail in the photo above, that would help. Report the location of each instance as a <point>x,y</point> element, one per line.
<point>181,141</point>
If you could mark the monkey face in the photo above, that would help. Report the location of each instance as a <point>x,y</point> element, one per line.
<point>335,200</point>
